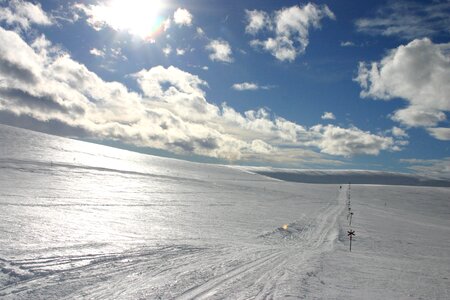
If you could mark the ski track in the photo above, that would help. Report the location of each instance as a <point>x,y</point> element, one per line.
<point>273,272</point>
<point>317,239</point>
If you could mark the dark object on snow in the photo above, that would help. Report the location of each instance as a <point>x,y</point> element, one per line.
<point>350,234</point>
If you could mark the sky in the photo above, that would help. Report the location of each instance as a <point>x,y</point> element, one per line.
<point>292,84</point>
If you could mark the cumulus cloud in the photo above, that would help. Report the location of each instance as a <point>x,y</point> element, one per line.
<point>347,44</point>
<point>250,86</point>
<point>117,53</point>
<point>170,111</point>
<point>408,20</point>
<point>220,51</point>
<point>97,52</point>
<point>111,55</point>
<point>328,116</point>
<point>182,17</point>
<point>22,14</point>
<point>418,116</point>
<point>350,141</point>
<point>245,86</point>
<point>419,73</point>
<point>287,29</point>
<point>257,20</point>
<point>440,133</point>
<point>396,131</point>
<point>167,50</point>
<point>180,51</point>
<point>200,32</point>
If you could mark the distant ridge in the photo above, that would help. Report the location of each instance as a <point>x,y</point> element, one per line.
<point>346,176</point>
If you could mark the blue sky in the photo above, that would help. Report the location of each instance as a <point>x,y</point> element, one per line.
<point>323,84</point>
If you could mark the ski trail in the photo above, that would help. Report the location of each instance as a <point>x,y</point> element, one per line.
<point>302,260</point>
<point>209,288</point>
<point>269,272</point>
<point>327,230</point>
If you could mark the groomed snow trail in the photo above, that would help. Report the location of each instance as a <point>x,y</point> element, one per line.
<point>282,272</point>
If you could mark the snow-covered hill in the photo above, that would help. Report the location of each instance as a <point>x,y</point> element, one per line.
<point>79,220</point>
<point>352,176</point>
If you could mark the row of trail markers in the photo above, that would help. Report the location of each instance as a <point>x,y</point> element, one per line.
<point>350,232</point>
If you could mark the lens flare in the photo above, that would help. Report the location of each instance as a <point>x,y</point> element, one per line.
<point>138,17</point>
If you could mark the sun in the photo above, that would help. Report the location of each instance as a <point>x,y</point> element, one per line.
<point>138,17</point>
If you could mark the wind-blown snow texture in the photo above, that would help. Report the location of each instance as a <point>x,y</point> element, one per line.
<point>82,220</point>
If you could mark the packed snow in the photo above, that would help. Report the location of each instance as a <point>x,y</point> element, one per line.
<point>80,220</point>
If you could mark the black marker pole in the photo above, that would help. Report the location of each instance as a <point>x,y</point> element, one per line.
<point>350,234</point>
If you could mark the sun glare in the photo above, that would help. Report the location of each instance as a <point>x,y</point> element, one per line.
<point>138,17</point>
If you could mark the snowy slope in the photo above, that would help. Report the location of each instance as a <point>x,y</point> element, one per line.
<point>82,220</point>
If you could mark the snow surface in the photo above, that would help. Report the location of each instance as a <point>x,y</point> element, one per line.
<point>79,220</point>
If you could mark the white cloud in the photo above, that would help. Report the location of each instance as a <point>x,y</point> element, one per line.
<point>245,86</point>
<point>440,133</point>
<point>250,86</point>
<point>180,51</point>
<point>171,111</point>
<point>167,50</point>
<point>418,116</point>
<point>347,44</point>
<point>408,20</point>
<point>182,17</point>
<point>281,47</point>
<point>205,68</point>
<point>290,27</point>
<point>220,51</point>
<point>398,132</point>
<point>335,140</point>
<point>200,32</point>
<point>23,13</point>
<point>419,73</point>
<point>97,52</point>
<point>328,116</point>
<point>257,20</point>
<point>117,53</point>
<point>437,168</point>
<point>261,147</point>
<point>111,55</point>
